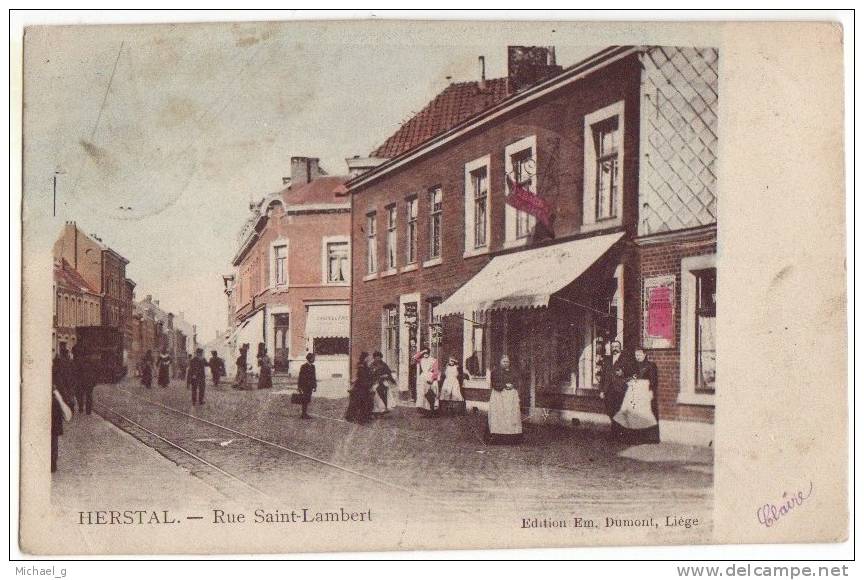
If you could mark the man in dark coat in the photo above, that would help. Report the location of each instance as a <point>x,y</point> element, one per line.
<point>217,367</point>
<point>307,383</point>
<point>196,376</point>
<point>62,374</point>
<point>82,377</point>
<point>617,370</point>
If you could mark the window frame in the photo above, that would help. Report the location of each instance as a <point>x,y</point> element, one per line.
<point>471,246</point>
<point>326,242</point>
<point>688,393</point>
<point>411,228</point>
<point>511,214</point>
<point>371,243</point>
<point>274,274</point>
<point>435,214</point>
<point>391,243</point>
<point>593,121</point>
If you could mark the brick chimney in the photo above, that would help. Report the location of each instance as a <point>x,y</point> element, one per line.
<point>529,65</point>
<point>304,170</point>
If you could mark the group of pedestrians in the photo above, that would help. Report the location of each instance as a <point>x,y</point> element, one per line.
<point>72,385</point>
<point>265,369</point>
<point>195,371</point>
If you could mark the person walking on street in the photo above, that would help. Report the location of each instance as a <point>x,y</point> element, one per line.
<point>147,370</point>
<point>60,410</point>
<point>382,384</point>
<point>196,376</point>
<point>427,382</point>
<point>61,374</point>
<point>240,380</point>
<point>164,364</point>
<point>265,368</point>
<point>307,383</point>
<point>359,396</point>
<point>82,377</point>
<point>217,367</point>
<point>505,418</point>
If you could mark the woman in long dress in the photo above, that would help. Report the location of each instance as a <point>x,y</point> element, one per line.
<point>641,403</point>
<point>147,370</point>
<point>505,418</point>
<point>427,382</point>
<point>359,396</point>
<point>240,380</point>
<point>164,368</point>
<point>452,401</point>
<point>265,371</point>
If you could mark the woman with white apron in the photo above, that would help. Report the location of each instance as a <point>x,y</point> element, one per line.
<point>505,417</point>
<point>452,402</point>
<point>427,382</point>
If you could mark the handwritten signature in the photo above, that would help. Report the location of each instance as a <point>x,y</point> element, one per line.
<point>770,514</point>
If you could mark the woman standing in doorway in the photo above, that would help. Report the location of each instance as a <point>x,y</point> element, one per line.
<point>505,418</point>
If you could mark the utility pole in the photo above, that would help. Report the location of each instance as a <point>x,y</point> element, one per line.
<point>56,173</point>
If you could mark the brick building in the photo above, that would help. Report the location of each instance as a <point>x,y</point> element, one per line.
<point>291,286</point>
<point>623,146</point>
<point>76,303</point>
<point>104,271</point>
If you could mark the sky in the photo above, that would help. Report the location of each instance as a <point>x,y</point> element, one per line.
<point>161,135</point>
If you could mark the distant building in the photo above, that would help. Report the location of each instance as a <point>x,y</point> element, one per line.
<point>291,285</point>
<point>104,271</point>
<point>76,303</point>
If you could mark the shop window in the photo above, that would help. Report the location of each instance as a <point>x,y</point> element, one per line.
<point>434,329</point>
<point>390,335</point>
<point>331,345</point>
<point>477,345</point>
<point>698,330</point>
<point>705,315</point>
<point>371,244</point>
<point>411,215</point>
<point>391,237</point>
<point>436,210</point>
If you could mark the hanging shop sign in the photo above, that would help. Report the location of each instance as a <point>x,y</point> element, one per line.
<point>658,312</point>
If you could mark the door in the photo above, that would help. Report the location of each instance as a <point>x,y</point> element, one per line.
<point>408,336</point>
<point>282,341</point>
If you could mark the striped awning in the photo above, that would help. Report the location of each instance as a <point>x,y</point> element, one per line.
<point>528,278</point>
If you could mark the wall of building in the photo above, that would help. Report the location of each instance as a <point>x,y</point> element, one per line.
<point>558,124</point>
<point>662,257</point>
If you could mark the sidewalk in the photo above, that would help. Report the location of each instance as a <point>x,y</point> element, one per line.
<point>101,467</point>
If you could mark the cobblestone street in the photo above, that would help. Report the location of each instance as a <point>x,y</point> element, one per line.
<point>251,448</point>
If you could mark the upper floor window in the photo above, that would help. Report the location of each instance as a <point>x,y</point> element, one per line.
<point>411,215</point>
<point>604,154</point>
<point>523,170</point>
<point>436,207</point>
<point>477,205</point>
<point>520,160</point>
<point>705,317</point>
<point>391,237</point>
<point>371,244</point>
<point>337,262</point>
<point>606,143</point>
<point>280,260</point>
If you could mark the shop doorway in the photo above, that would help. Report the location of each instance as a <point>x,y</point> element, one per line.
<point>281,342</point>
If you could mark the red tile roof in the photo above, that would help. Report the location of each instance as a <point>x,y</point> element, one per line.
<point>326,189</point>
<point>68,278</point>
<point>453,105</point>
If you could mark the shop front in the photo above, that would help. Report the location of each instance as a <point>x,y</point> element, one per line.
<point>327,332</point>
<point>553,311</point>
